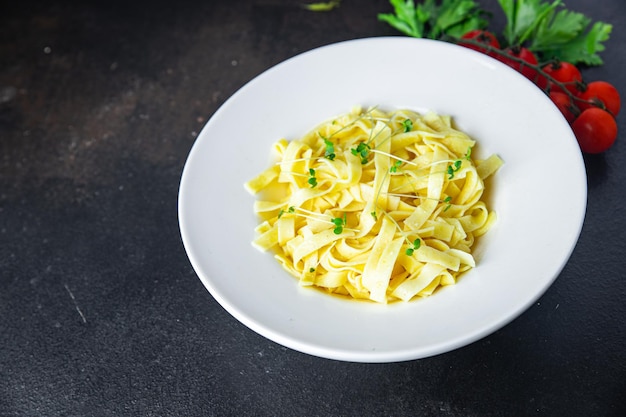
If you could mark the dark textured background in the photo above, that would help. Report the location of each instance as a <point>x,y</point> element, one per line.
<point>101,313</point>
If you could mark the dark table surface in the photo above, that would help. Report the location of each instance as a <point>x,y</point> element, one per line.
<point>101,313</point>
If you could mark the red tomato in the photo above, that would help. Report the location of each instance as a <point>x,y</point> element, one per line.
<point>564,104</point>
<point>595,130</point>
<point>481,36</point>
<point>562,72</point>
<point>518,59</point>
<point>600,94</point>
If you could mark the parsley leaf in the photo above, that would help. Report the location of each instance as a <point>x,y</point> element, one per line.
<point>552,33</point>
<point>457,17</point>
<point>523,17</point>
<point>435,19</point>
<point>544,27</point>
<point>406,18</point>
<point>583,48</point>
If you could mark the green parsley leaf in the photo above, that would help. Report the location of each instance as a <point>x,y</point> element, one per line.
<point>408,125</point>
<point>339,223</point>
<point>583,49</point>
<point>312,180</point>
<point>362,150</point>
<point>523,17</point>
<point>406,18</point>
<point>416,245</point>
<point>329,153</point>
<point>452,169</point>
<point>395,166</point>
<point>435,19</point>
<point>553,32</point>
<point>558,28</point>
<point>457,17</point>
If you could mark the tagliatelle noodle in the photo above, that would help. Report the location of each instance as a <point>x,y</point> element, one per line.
<point>375,205</point>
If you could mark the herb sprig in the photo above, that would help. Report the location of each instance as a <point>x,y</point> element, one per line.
<point>312,178</point>
<point>547,28</point>
<point>553,32</point>
<point>433,19</point>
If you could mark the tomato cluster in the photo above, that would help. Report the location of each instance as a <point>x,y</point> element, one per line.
<point>590,108</point>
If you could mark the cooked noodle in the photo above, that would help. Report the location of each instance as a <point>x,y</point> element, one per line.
<point>375,205</point>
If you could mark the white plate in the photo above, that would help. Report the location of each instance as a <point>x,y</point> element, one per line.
<point>539,195</point>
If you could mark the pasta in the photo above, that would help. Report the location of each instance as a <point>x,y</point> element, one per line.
<point>375,205</point>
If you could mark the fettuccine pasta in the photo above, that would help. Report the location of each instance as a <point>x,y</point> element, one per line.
<point>375,205</point>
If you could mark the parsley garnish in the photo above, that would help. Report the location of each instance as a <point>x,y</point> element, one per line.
<point>395,166</point>
<point>312,179</point>
<point>452,169</point>
<point>408,125</point>
<point>291,209</point>
<point>339,223</point>
<point>329,153</point>
<point>362,150</point>
<point>416,245</point>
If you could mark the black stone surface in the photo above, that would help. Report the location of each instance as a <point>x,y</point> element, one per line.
<point>101,313</point>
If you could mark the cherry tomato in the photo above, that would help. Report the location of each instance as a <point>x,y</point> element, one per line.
<point>595,130</point>
<point>600,94</point>
<point>562,72</point>
<point>564,104</point>
<point>513,56</point>
<point>481,36</point>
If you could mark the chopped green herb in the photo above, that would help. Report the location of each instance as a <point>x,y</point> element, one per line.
<point>374,215</point>
<point>453,169</point>
<point>408,125</point>
<point>291,209</point>
<point>311,269</point>
<point>468,154</point>
<point>450,172</point>
<point>416,245</point>
<point>447,200</point>
<point>339,223</point>
<point>330,149</point>
<point>362,150</point>
<point>312,180</point>
<point>395,166</point>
